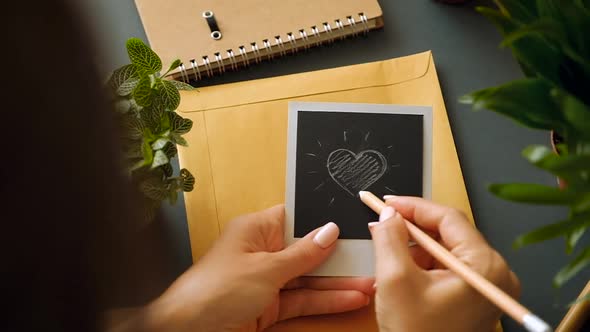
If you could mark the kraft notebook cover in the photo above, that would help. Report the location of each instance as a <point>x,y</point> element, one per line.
<point>237,148</point>
<point>211,37</point>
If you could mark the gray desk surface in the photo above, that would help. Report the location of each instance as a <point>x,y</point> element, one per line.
<point>467,57</point>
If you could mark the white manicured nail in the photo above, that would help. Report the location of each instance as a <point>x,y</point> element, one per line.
<point>373,223</point>
<point>327,235</point>
<point>386,197</point>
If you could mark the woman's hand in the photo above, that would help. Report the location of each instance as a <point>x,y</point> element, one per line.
<point>249,281</point>
<point>416,293</point>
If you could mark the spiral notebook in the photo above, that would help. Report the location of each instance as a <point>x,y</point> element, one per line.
<point>212,37</point>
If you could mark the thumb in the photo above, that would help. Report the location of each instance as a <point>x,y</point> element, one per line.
<point>307,253</point>
<point>392,254</point>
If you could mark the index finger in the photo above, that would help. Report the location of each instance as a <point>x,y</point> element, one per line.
<point>452,225</point>
<point>362,284</point>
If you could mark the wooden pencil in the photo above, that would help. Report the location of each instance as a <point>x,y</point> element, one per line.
<point>506,303</point>
<point>578,313</point>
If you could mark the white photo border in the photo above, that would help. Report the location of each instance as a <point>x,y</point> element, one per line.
<point>351,257</point>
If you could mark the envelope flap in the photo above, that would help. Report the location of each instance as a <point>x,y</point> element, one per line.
<point>352,77</point>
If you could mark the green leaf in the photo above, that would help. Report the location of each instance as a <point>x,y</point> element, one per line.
<point>552,231</point>
<point>540,56</point>
<point>147,153</point>
<point>583,5</point>
<point>473,97</point>
<point>139,164</point>
<point>533,194</point>
<point>173,197</point>
<point>133,151</point>
<point>570,270</point>
<point>134,107</point>
<point>573,238</point>
<point>175,64</point>
<point>160,143</point>
<point>545,158</point>
<point>537,153</point>
<point>583,203</point>
<point>168,95</point>
<point>517,10</point>
<point>143,92</point>
<point>143,57</point>
<point>122,75</point>
<point>167,169</point>
<point>181,85</point>
<point>547,8</point>
<point>502,22</point>
<point>122,105</point>
<point>159,159</point>
<point>127,87</point>
<point>152,116</point>
<point>539,28</point>
<point>170,150</point>
<point>576,57</point>
<point>178,139</point>
<point>134,127</point>
<point>148,135</point>
<point>576,112</point>
<point>534,53</point>
<point>572,19</point>
<point>188,180</point>
<point>154,188</point>
<point>526,101</point>
<point>180,125</point>
<point>150,210</point>
<point>165,123</point>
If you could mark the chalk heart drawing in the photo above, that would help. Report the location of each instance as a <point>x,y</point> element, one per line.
<point>356,172</point>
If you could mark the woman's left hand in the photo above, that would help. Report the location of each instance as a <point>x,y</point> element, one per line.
<point>248,281</point>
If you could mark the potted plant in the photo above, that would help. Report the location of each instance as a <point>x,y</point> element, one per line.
<point>550,39</point>
<point>145,102</point>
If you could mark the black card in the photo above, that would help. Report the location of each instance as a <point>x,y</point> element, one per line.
<point>339,154</point>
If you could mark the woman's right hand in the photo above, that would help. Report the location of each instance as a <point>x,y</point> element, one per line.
<point>416,293</point>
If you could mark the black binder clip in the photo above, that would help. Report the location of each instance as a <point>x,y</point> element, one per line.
<point>215,33</point>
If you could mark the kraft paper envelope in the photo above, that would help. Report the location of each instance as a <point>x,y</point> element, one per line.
<point>237,148</point>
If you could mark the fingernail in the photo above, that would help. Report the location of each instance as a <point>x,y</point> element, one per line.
<point>327,235</point>
<point>368,301</point>
<point>373,223</point>
<point>375,286</point>
<point>386,213</point>
<point>386,197</point>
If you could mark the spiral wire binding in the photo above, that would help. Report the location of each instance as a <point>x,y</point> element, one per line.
<point>256,52</point>
<point>195,70</point>
<point>268,49</point>
<point>279,43</point>
<point>340,27</point>
<point>232,59</point>
<point>316,35</point>
<point>291,45</point>
<point>244,55</point>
